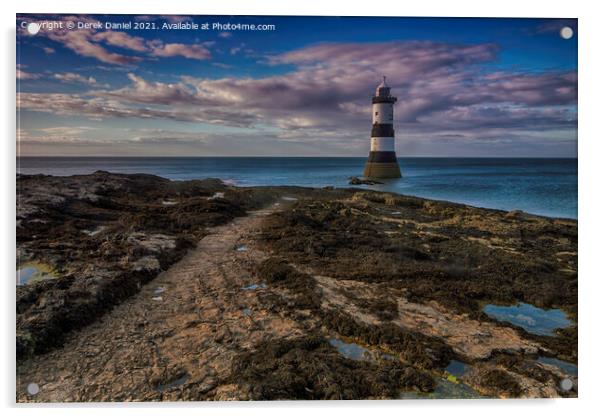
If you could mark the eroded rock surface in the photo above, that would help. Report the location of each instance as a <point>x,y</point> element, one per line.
<point>226,293</point>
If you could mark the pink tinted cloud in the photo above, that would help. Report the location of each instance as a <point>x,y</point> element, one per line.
<point>199,52</point>
<point>93,43</point>
<point>442,90</point>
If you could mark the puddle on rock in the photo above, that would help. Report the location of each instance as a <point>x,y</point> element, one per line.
<point>289,198</point>
<point>95,231</point>
<point>456,369</point>
<point>241,247</point>
<point>158,298</point>
<point>159,290</point>
<point>450,386</point>
<point>246,312</point>
<point>255,286</point>
<point>530,318</point>
<point>169,202</point>
<point>31,273</point>
<point>177,382</point>
<point>566,367</point>
<point>350,350</point>
<point>216,196</point>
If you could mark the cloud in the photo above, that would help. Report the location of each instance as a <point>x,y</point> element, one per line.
<point>58,134</point>
<point>176,18</point>
<point>73,77</point>
<point>93,44</point>
<point>48,50</point>
<point>120,39</point>
<point>23,75</point>
<point>100,108</point>
<point>443,90</point>
<point>179,49</point>
<point>555,25</point>
<point>145,92</point>
<point>82,43</point>
<point>224,35</point>
<point>164,142</point>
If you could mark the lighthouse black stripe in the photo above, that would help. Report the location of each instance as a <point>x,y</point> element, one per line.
<point>383,130</point>
<point>389,99</point>
<point>382,157</point>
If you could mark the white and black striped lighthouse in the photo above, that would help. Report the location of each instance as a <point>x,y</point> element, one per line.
<point>382,161</point>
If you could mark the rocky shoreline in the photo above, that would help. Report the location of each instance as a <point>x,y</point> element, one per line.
<point>403,279</point>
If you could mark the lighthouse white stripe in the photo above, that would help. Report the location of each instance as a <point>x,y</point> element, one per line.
<point>382,113</point>
<point>382,144</point>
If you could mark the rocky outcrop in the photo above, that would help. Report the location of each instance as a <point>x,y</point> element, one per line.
<point>244,303</point>
<point>104,235</point>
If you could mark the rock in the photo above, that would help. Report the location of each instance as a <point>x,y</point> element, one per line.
<point>354,180</point>
<point>154,243</point>
<point>106,235</point>
<point>147,263</point>
<point>515,215</point>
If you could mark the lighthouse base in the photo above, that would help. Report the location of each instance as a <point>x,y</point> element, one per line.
<point>382,165</point>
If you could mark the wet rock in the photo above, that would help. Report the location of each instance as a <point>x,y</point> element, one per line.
<point>154,243</point>
<point>310,369</point>
<point>498,383</point>
<point>354,180</point>
<point>147,263</point>
<point>458,256</point>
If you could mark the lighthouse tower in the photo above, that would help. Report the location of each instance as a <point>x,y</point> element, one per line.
<point>382,161</point>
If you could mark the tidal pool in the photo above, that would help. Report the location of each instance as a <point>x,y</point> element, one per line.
<point>449,386</point>
<point>95,231</point>
<point>457,368</point>
<point>255,286</point>
<point>530,318</point>
<point>350,350</point>
<point>568,368</point>
<point>216,196</point>
<point>30,273</point>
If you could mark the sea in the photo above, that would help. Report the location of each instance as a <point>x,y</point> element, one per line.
<point>535,185</point>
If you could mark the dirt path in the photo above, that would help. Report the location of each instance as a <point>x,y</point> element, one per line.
<point>175,339</point>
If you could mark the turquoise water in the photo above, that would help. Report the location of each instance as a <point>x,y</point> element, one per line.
<point>532,319</point>
<point>539,186</point>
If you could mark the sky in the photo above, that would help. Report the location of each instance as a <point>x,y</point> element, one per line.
<point>301,86</point>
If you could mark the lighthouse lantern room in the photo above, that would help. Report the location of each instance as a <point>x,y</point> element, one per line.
<point>382,161</point>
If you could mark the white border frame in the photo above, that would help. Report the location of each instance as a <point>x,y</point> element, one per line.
<point>589,200</point>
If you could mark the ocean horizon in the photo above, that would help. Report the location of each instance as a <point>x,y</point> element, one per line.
<point>542,186</point>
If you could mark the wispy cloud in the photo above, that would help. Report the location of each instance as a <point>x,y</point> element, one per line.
<point>24,75</point>
<point>73,77</point>
<point>94,44</point>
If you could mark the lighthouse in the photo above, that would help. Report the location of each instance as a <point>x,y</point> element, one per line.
<point>382,161</point>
